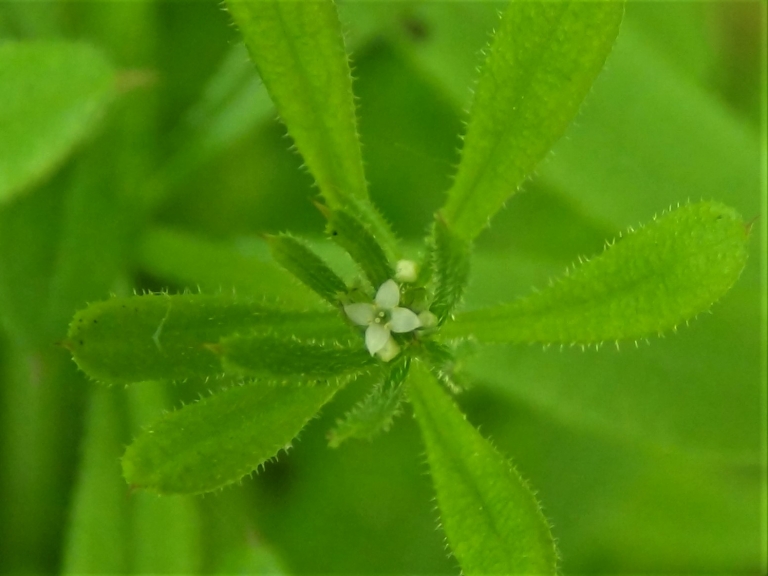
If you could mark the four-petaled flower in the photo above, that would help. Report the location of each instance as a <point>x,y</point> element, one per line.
<point>382,317</point>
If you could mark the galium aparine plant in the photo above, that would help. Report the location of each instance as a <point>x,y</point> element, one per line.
<point>399,327</point>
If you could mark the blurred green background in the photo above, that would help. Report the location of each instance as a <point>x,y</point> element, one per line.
<point>647,459</point>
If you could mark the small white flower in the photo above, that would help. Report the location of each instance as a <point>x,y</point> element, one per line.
<point>382,317</point>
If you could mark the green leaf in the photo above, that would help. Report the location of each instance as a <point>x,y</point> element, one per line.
<point>542,62</point>
<point>32,221</point>
<point>720,352</point>
<point>491,518</point>
<point>299,52</point>
<point>377,410</point>
<point>159,336</point>
<point>360,244</point>
<point>450,264</point>
<point>663,274</point>
<point>53,95</point>
<point>175,520</point>
<point>268,356</point>
<point>98,533</point>
<point>220,439</point>
<point>308,267</point>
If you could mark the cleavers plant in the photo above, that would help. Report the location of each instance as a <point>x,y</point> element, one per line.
<point>272,363</point>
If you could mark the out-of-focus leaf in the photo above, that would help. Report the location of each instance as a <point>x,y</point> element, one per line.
<point>98,536</point>
<point>53,94</point>
<point>39,401</point>
<point>653,137</point>
<point>220,439</point>
<point>610,501</point>
<point>449,51</point>
<point>31,222</point>
<point>542,62</point>
<point>233,103</point>
<point>188,260</point>
<point>233,544</point>
<point>299,51</point>
<point>492,519</point>
<point>650,281</point>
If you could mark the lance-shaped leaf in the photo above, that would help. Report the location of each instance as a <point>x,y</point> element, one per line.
<point>220,439</point>
<point>299,52</point>
<point>159,336</point>
<point>450,269</point>
<point>542,62</point>
<point>651,280</point>
<point>491,518</point>
<point>376,411</point>
<point>52,98</point>
<point>308,267</point>
<point>352,235</point>
<point>289,357</point>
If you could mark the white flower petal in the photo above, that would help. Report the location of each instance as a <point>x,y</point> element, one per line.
<point>388,295</point>
<point>403,320</point>
<point>361,313</point>
<point>376,337</point>
<point>389,351</point>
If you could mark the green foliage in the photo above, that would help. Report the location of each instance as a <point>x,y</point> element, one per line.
<point>375,413</point>
<point>53,95</point>
<point>299,51</point>
<point>159,336</point>
<point>644,284</point>
<point>543,61</point>
<point>652,448</point>
<point>309,268</point>
<point>450,263</point>
<point>275,357</point>
<point>492,519</point>
<point>360,244</point>
<point>99,522</point>
<point>219,439</point>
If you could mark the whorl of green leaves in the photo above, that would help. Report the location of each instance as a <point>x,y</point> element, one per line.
<point>542,62</point>
<point>222,438</point>
<point>649,281</point>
